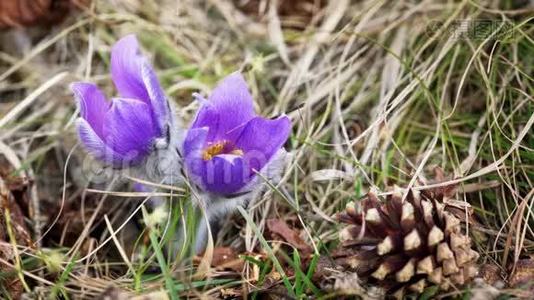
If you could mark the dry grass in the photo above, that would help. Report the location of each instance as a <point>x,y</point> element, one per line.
<point>380,92</point>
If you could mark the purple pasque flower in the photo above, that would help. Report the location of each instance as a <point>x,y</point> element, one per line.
<point>126,129</point>
<point>228,143</point>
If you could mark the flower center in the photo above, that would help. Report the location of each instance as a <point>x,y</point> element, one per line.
<point>220,147</point>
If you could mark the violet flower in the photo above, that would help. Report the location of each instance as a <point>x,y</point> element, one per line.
<point>227,143</point>
<point>126,130</point>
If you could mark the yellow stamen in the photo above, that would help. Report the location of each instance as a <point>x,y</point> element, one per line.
<point>213,150</point>
<point>218,148</point>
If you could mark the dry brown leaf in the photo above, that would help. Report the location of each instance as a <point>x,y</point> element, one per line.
<point>225,258</point>
<point>289,235</point>
<point>23,13</point>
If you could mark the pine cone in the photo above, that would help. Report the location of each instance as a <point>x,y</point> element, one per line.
<point>407,246</point>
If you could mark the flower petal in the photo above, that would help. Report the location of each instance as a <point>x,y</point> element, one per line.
<point>262,138</point>
<point>207,117</point>
<point>160,106</point>
<point>129,129</point>
<point>194,142</point>
<point>95,146</point>
<point>272,171</point>
<point>232,100</point>
<point>126,69</point>
<point>92,104</point>
<point>193,147</point>
<point>225,174</point>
